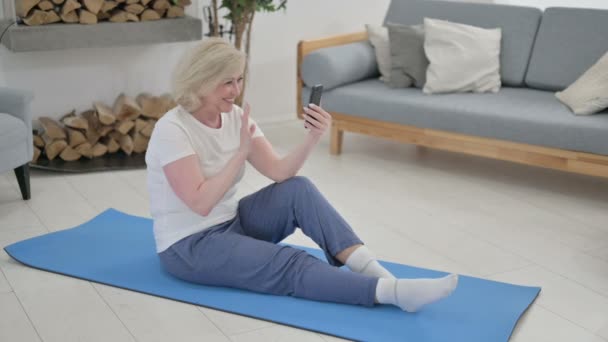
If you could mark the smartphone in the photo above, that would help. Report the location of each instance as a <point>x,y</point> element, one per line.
<point>315,94</point>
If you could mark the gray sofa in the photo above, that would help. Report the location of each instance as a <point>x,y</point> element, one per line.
<point>16,144</point>
<point>541,52</point>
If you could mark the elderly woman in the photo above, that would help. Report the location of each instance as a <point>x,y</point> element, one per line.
<point>196,159</point>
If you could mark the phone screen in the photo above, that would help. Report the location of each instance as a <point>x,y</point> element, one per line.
<point>315,94</point>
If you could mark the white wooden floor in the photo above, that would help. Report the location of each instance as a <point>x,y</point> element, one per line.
<point>416,206</point>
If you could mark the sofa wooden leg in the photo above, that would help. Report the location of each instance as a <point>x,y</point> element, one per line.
<point>336,140</point>
<point>23,177</point>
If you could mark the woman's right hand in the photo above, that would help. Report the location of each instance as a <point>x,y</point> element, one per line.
<point>247,131</point>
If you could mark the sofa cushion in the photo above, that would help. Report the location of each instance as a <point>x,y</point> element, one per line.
<point>462,58</point>
<point>513,114</point>
<point>378,37</point>
<point>518,24</point>
<point>13,142</point>
<point>408,60</point>
<point>339,65</point>
<point>588,94</point>
<point>569,41</point>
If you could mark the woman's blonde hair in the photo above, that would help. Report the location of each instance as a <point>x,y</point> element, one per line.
<point>202,69</point>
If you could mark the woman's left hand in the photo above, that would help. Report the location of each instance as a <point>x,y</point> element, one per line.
<point>316,119</point>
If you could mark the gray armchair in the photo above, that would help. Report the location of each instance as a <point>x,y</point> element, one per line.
<point>16,144</point>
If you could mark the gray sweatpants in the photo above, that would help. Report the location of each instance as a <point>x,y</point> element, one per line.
<point>243,253</point>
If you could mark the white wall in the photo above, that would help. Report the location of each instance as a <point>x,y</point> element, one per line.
<point>557,3</point>
<point>272,89</point>
<point>66,79</point>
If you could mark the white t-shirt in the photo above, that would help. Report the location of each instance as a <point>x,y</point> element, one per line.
<point>177,135</point>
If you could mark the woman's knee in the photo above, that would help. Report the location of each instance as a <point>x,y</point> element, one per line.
<point>299,182</point>
<point>295,188</point>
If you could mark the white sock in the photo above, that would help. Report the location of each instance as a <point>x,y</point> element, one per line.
<point>412,294</point>
<point>363,261</point>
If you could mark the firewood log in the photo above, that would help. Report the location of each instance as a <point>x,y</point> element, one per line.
<point>71,17</point>
<point>53,149</point>
<point>85,149</point>
<point>86,17</point>
<point>36,154</point>
<point>125,108</point>
<point>46,5</point>
<point>75,122</point>
<point>52,128</point>
<point>71,113</point>
<point>52,17</point>
<point>175,12</point>
<point>58,2</point>
<point>93,6</point>
<point>113,146</point>
<point>140,142</point>
<point>104,130</point>
<point>104,113</point>
<point>151,106</point>
<point>123,127</point>
<point>132,17</point>
<point>75,137</point>
<point>118,16</point>
<point>47,139</point>
<point>92,119</point>
<point>99,150</point>
<point>37,17</point>
<point>38,142</point>
<point>147,131</point>
<point>69,154</point>
<point>126,144</point>
<point>92,136</point>
<point>134,8</point>
<point>23,7</point>
<point>130,2</point>
<point>161,5</point>
<point>169,103</point>
<point>145,2</point>
<point>69,6</point>
<point>161,12</point>
<point>115,135</point>
<point>108,6</point>
<point>92,133</point>
<point>148,15</point>
<point>101,16</point>
<point>140,124</point>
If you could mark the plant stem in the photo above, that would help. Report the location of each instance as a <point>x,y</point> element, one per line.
<point>247,49</point>
<point>216,23</point>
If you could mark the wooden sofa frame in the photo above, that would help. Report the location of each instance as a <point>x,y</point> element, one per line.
<point>553,158</point>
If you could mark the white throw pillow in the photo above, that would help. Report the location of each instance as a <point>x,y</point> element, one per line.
<point>378,37</point>
<point>462,58</point>
<point>589,93</point>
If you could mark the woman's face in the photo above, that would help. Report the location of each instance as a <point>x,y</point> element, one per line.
<point>223,97</point>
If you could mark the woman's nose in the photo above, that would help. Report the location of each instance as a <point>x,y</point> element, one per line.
<point>236,87</point>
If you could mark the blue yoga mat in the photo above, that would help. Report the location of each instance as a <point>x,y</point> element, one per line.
<point>118,249</point>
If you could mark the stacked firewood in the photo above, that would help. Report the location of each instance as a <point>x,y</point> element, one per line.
<point>40,12</point>
<point>126,127</point>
